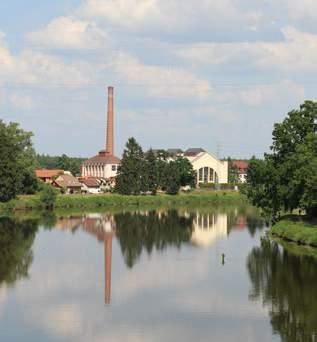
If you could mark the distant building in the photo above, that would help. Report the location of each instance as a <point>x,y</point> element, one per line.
<point>67,182</point>
<point>242,167</point>
<point>105,164</point>
<point>48,176</point>
<point>208,167</point>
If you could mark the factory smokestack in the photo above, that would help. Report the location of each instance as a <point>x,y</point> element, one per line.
<point>109,138</point>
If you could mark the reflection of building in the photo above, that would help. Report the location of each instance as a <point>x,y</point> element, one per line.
<point>208,228</point>
<point>102,227</point>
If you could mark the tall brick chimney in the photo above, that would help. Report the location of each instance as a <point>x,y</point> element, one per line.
<point>109,138</point>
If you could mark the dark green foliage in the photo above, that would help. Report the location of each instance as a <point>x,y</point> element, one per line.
<point>137,232</point>
<point>16,239</point>
<point>60,162</point>
<point>187,175</point>
<point>131,171</point>
<point>285,280</point>
<point>17,162</point>
<point>48,196</point>
<point>151,174</point>
<point>287,178</point>
<point>172,178</point>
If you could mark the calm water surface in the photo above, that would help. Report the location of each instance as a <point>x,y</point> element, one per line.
<point>167,275</point>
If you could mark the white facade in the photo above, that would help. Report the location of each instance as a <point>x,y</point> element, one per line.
<point>209,169</point>
<point>100,171</point>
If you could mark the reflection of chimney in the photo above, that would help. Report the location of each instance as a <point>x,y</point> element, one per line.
<point>108,256</point>
<point>109,138</point>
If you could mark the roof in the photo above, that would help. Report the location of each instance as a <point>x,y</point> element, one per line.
<point>90,182</point>
<point>45,173</point>
<point>191,152</point>
<point>174,151</point>
<point>102,159</point>
<point>67,181</point>
<point>241,165</point>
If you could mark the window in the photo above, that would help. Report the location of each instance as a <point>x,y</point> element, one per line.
<point>200,175</point>
<point>206,169</point>
<point>114,168</point>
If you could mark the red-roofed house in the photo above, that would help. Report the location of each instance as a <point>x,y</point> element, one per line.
<point>242,167</point>
<point>48,176</point>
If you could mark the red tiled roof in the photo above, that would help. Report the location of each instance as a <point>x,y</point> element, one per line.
<point>241,165</point>
<point>90,182</point>
<point>102,159</point>
<point>44,173</point>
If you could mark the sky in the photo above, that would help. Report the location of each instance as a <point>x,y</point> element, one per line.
<point>215,74</point>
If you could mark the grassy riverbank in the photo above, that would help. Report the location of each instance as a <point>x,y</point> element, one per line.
<point>296,230</point>
<point>118,201</point>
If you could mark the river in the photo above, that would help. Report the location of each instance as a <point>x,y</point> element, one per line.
<point>144,275</point>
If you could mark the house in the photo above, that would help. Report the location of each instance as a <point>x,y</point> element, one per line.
<point>48,176</point>
<point>90,185</point>
<point>242,168</point>
<point>208,167</point>
<point>68,183</point>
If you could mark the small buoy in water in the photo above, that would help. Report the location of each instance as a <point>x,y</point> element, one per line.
<point>223,258</point>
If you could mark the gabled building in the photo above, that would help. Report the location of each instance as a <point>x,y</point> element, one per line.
<point>209,168</point>
<point>68,182</point>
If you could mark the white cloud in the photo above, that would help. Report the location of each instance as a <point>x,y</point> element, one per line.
<point>297,52</point>
<point>160,81</point>
<point>166,15</point>
<point>69,33</point>
<point>303,9</point>
<point>39,69</point>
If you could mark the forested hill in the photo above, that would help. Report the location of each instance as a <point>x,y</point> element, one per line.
<point>60,162</point>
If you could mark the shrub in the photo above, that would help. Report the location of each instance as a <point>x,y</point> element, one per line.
<point>48,196</point>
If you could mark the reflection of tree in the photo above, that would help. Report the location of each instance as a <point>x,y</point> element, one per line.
<point>287,284</point>
<point>136,232</point>
<point>16,239</point>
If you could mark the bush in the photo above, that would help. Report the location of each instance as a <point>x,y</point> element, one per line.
<point>48,196</point>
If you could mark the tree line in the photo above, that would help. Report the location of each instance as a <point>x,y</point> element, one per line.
<point>148,172</point>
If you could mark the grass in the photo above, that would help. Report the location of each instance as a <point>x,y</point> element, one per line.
<point>295,229</point>
<point>196,198</point>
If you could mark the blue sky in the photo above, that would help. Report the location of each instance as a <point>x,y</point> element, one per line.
<point>212,74</point>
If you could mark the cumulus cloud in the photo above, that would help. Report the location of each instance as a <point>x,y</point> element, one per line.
<point>296,52</point>
<point>69,33</point>
<point>170,14</point>
<point>39,69</point>
<point>160,81</point>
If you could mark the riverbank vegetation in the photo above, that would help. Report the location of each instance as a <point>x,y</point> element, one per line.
<point>296,230</point>
<point>33,202</point>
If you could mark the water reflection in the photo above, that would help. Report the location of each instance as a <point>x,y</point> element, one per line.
<point>286,281</point>
<point>16,256</point>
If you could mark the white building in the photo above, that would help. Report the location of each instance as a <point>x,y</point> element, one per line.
<point>103,166</point>
<point>209,168</point>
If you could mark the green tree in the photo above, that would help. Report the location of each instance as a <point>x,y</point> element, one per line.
<point>131,171</point>
<point>151,172</point>
<point>286,178</point>
<point>17,162</point>
<point>48,196</point>
<point>172,178</point>
<point>186,173</point>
